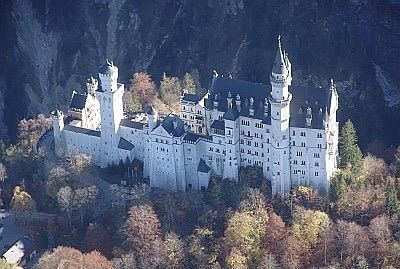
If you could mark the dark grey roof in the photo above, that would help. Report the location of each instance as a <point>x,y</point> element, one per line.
<point>168,125</point>
<point>125,144</point>
<point>203,167</point>
<point>78,101</point>
<point>131,124</point>
<point>302,97</point>
<point>279,66</point>
<point>221,86</point>
<point>317,98</point>
<point>218,124</point>
<point>189,97</point>
<point>81,130</point>
<point>191,137</point>
<point>232,113</point>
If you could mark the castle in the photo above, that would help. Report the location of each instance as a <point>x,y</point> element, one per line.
<point>292,134</point>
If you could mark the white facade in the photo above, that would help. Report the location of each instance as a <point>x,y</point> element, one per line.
<point>292,133</point>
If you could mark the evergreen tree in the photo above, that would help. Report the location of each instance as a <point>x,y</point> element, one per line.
<point>188,83</point>
<point>392,201</point>
<point>338,186</point>
<point>350,153</point>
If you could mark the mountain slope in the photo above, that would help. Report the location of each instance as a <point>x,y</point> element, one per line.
<point>52,46</point>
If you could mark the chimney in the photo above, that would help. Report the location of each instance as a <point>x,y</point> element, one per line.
<point>229,99</point>
<point>175,124</point>
<point>309,117</point>
<point>238,103</point>
<point>266,107</point>
<point>251,109</point>
<point>216,101</point>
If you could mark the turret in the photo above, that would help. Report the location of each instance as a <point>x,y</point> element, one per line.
<point>229,98</point>
<point>326,118</point>
<point>309,117</point>
<point>216,101</point>
<point>58,120</point>
<point>266,107</point>
<point>281,75</point>
<point>238,102</point>
<point>92,85</point>
<point>108,74</point>
<point>152,117</point>
<point>57,117</point>
<point>251,108</point>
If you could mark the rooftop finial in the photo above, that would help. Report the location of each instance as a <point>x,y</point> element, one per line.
<point>332,82</point>
<point>108,62</point>
<point>279,41</point>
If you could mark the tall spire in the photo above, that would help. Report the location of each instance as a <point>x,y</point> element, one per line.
<point>279,63</point>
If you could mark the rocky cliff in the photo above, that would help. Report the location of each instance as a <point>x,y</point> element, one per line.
<point>48,48</point>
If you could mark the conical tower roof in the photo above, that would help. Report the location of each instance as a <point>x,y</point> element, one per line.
<point>279,67</point>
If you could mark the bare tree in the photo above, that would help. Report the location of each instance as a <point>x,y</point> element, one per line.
<point>64,199</point>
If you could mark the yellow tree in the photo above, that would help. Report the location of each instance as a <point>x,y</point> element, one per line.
<point>308,225</point>
<point>22,201</point>
<point>242,238</point>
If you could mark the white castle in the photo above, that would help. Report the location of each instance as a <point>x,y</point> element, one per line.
<point>292,135</point>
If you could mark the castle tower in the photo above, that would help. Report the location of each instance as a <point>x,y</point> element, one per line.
<point>92,85</point>
<point>280,101</point>
<point>111,111</point>
<point>152,117</point>
<point>57,117</point>
<point>231,143</point>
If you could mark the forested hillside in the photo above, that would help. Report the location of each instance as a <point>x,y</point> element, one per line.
<point>48,48</point>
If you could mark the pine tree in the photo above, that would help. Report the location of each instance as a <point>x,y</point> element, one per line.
<point>350,153</point>
<point>188,83</point>
<point>392,201</point>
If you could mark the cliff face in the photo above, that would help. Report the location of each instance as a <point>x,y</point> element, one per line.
<point>48,48</point>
